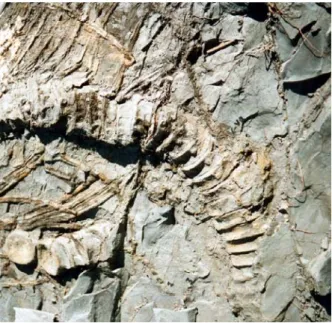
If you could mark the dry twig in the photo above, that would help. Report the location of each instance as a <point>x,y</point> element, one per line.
<point>221,46</point>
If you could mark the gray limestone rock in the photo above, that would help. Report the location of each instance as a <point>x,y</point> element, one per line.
<point>135,301</point>
<point>165,162</point>
<point>216,311</point>
<point>312,45</point>
<point>182,88</point>
<point>320,270</point>
<point>239,103</point>
<point>164,315</point>
<point>277,288</point>
<point>83,285</point>
<point>280,264</point>
<point>311,209</point>
<point>315,53</point>
<point>28,315</point>
<point>235,8</point>
<point>145,313</point>
<point>151,221</point>
<point>300,15</point>
<point>10,298</point>
<point>293,314</point>
<point>95,306</point>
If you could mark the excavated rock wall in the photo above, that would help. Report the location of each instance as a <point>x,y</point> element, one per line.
<point>165,162</point>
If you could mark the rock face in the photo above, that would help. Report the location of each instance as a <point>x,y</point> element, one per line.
<point>91,299</point>
<point>320,269</point>
<point>165,162</point>
<point>27,315</point>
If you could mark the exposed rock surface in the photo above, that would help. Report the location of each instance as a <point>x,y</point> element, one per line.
<point>27,315</point>
<point>165,162</point>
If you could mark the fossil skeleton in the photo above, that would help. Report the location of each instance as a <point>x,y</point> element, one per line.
<point>82,227</point>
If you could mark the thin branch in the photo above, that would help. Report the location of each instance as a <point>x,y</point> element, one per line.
<point>222,46</point>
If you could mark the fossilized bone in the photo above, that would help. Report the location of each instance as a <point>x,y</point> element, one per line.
<point>46,216</point>
<point>88,245</point>
<point>50,214</point>
<point>198,158</point>
<point>216,171</point>
<point>84,247</point>
<point>18,174</point>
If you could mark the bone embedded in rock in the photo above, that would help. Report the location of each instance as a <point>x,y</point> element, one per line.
<point>20,248</point>
<point>84,247</point>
